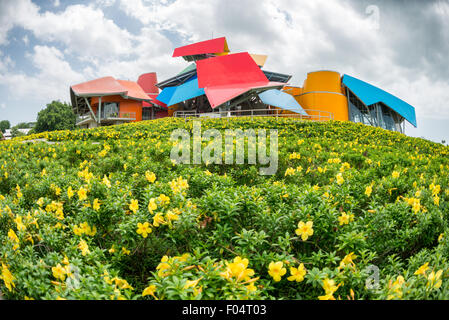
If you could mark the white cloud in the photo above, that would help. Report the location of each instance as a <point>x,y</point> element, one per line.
<point>2,106</point>
<point>49,83</point>
<point>56,3</point>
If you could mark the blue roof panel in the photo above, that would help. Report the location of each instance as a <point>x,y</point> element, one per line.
<point>282,100</point>
<point>187,90</point>
<point>166,94</point>
<point>370,94</point>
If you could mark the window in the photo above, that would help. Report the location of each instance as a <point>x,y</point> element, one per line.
<point>146,113</point>
<point>110,110</point>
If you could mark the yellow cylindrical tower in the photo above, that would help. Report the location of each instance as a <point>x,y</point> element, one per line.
<point>322,91</point>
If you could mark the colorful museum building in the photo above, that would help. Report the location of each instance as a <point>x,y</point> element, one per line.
<point>218,83</point>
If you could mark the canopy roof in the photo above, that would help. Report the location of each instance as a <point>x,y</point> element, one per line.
<point>232,69</point>
<point>370,94</point>
<point>282,100</point>
<point>183,92</point>
<point>219,95</point>
<point>108,86</point>
<point>99,87</point>
<point>218,45</point>
<point>225,78</point>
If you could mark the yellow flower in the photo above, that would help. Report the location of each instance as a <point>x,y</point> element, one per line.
<point>7,277</point>
<point>163,199</point>
<point>149,291</point>
<point>368,191</point>
<point>345,218</point>
<point>238,269</point>
<point>83,247</point>
<point>297,274</point>
<point>70,192</point>
<point>150,176</point>
<point>152,205</point>
<point>305,230</point>
<point>13,237</point>
<point>144,229</point>
<point>96,205</point>
<point>134,205</point>
<point>158,219</point>
<point>436,200</point>
<point>106,182</point>
<point>163,267</point>
<point>82,194</point>
<point>290,172</point>
<point>276,270</point>
<point>329,289</point>
<point>340,179</point>
<point>348,261</point>
<point>65,260</point>
<point>19,223</point>
<point>59,272</point>
<point>395,288</point>
<point>191,283</point>
<point>440,237</point>
<point>125,251</point>
<point>422,270</point>
<point>171,216</point>
<point>434,280</point>
<point>395,174</point>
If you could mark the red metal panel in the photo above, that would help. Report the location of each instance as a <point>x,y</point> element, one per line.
<point>221,94</point>
<point>232,69</point>
<point>148,83</point>
<point>155,101</point>
<point>106,85</point>
<point>209,46</point>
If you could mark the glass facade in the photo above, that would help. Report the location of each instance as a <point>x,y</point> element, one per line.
<point>377,115</point>
<point>110,110</point>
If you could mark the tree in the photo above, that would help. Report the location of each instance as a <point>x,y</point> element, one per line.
<point>23,125</point>
<point>4,124</point>
<point>16,133</point>
<point>56,116</point>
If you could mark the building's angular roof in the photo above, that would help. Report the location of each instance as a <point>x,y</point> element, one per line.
<point>226,77</point>
<point>134,91</point>
<point>183,92</point>
<point>99,87</point>
<point>214,46</point>
<point>232,69</point>
<point>282,100</point>
<point>370,94</point>
<point>108,86</point>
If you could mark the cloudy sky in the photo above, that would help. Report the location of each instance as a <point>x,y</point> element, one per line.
<point>400,46</point>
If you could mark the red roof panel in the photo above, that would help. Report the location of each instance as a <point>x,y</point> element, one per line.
<point>217,45</point>
<point>148,82</point>
<point>101,86</point>
<point>232,69</point>
<point>221,94</point>
<point>109,86</point>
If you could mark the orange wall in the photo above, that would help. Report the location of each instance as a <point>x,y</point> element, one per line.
<point>126,105</point>
<point>322,90</point>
